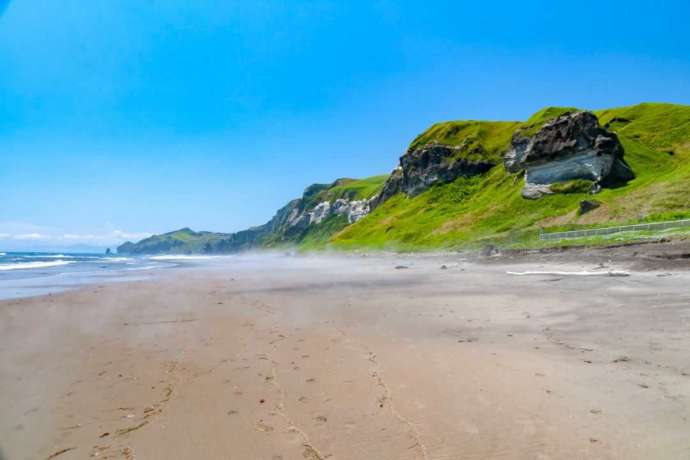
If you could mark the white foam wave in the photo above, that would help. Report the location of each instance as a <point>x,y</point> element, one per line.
<point>3,253</point>
<point>115,259</point>
<point>49,256</point>
<point>29,265</point>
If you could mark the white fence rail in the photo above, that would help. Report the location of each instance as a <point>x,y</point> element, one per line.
<point>610,230</point>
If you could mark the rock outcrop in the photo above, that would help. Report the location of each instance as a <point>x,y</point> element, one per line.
<point>354,210</point>
<point>569,147</point>
<point>431,164</point>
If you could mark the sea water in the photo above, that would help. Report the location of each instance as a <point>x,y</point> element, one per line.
<point>25,274</point>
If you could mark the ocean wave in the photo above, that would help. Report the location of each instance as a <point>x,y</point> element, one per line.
<point>47,256</point>
<point>29,265</point>
<point>115,259</point>
<point>3,253</point>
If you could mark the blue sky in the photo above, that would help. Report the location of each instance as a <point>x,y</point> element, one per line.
<point>124,117</point>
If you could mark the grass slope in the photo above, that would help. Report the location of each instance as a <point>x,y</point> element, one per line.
<point>482,140</point>
<point>318,235</point>
<point>489,208</point>
<point>183,241</point>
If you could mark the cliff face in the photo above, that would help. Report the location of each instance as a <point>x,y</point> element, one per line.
<point>471,180</point>
<point>432,164</point>
<point>322,210</point>
<point>637,160</point>
<point>570,147</point>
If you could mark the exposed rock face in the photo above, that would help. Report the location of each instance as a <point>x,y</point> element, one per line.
<point>572,146</point>
<point>354,210</point>
<point>392,186</point>
<point>320,212</point>
<point>428,165</point>
<point>588,205</point>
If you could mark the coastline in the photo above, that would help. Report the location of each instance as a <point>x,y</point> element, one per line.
<point>351,357</point>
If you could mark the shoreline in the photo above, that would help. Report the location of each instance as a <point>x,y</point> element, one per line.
<point>342,357</point>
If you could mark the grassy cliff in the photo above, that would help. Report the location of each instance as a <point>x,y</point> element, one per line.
<point>489,208</point>
<point>276,233</point>
<point>475,210</point>
<point>183,241</point>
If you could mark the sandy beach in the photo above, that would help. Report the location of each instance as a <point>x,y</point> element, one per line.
<point>378,357</point>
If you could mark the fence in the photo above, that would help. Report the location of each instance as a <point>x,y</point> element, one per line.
<point>610,230</point>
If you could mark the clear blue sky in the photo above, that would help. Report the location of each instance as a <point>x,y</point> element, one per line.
<point>120,117</point>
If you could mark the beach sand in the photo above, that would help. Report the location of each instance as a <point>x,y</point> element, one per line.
<point>350,358</point>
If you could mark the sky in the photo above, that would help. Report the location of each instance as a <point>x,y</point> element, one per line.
<point>121,118</point>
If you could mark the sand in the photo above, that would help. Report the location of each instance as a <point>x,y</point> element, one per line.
<point>350,358</point>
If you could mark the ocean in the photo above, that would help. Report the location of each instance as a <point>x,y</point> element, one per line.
<point>24,274</point>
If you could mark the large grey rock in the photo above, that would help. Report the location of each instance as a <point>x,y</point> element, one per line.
<point>428,165</point>
<point>437,164</point>
<point>572,146</point>
<point>588,205</point>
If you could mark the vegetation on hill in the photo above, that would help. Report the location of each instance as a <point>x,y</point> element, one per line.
<point>183,241</point>
<point>290,226</point>
<point>481,140</point>
<point>481,209</point>
<point>489,208</point>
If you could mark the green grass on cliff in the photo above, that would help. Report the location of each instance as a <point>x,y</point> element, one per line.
<point>349,189</point>
<point>482,140</point>
<point>183,241</point>
<point>354,189</point>
<point>489,208</point>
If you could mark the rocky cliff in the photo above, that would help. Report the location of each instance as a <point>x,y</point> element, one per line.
<point>322,210</point>
<point>637,160</point>
<point>432,164</point>
<point>466,181</point>
<point>570,147</point>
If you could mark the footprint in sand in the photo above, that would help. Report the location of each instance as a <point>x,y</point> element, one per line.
<point>311,380</point>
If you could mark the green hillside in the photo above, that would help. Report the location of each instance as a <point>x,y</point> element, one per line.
<point>471,208</point>
<point>490,209</point>
<point>483,140</point>
<point>278,232</point>
<point>183,241</point>
<point>318,235</point>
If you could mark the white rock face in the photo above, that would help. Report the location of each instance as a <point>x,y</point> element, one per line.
<point>354,210</point>
<point>293,217</point>
<point>320,212</point>
<point>341,206</point>
<point>358,209</point>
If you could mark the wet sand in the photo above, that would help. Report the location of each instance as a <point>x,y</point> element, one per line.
<point>350,358</point>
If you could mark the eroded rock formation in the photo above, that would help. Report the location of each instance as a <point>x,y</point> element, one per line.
<point>432,164</point>
<point>572,146</point>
